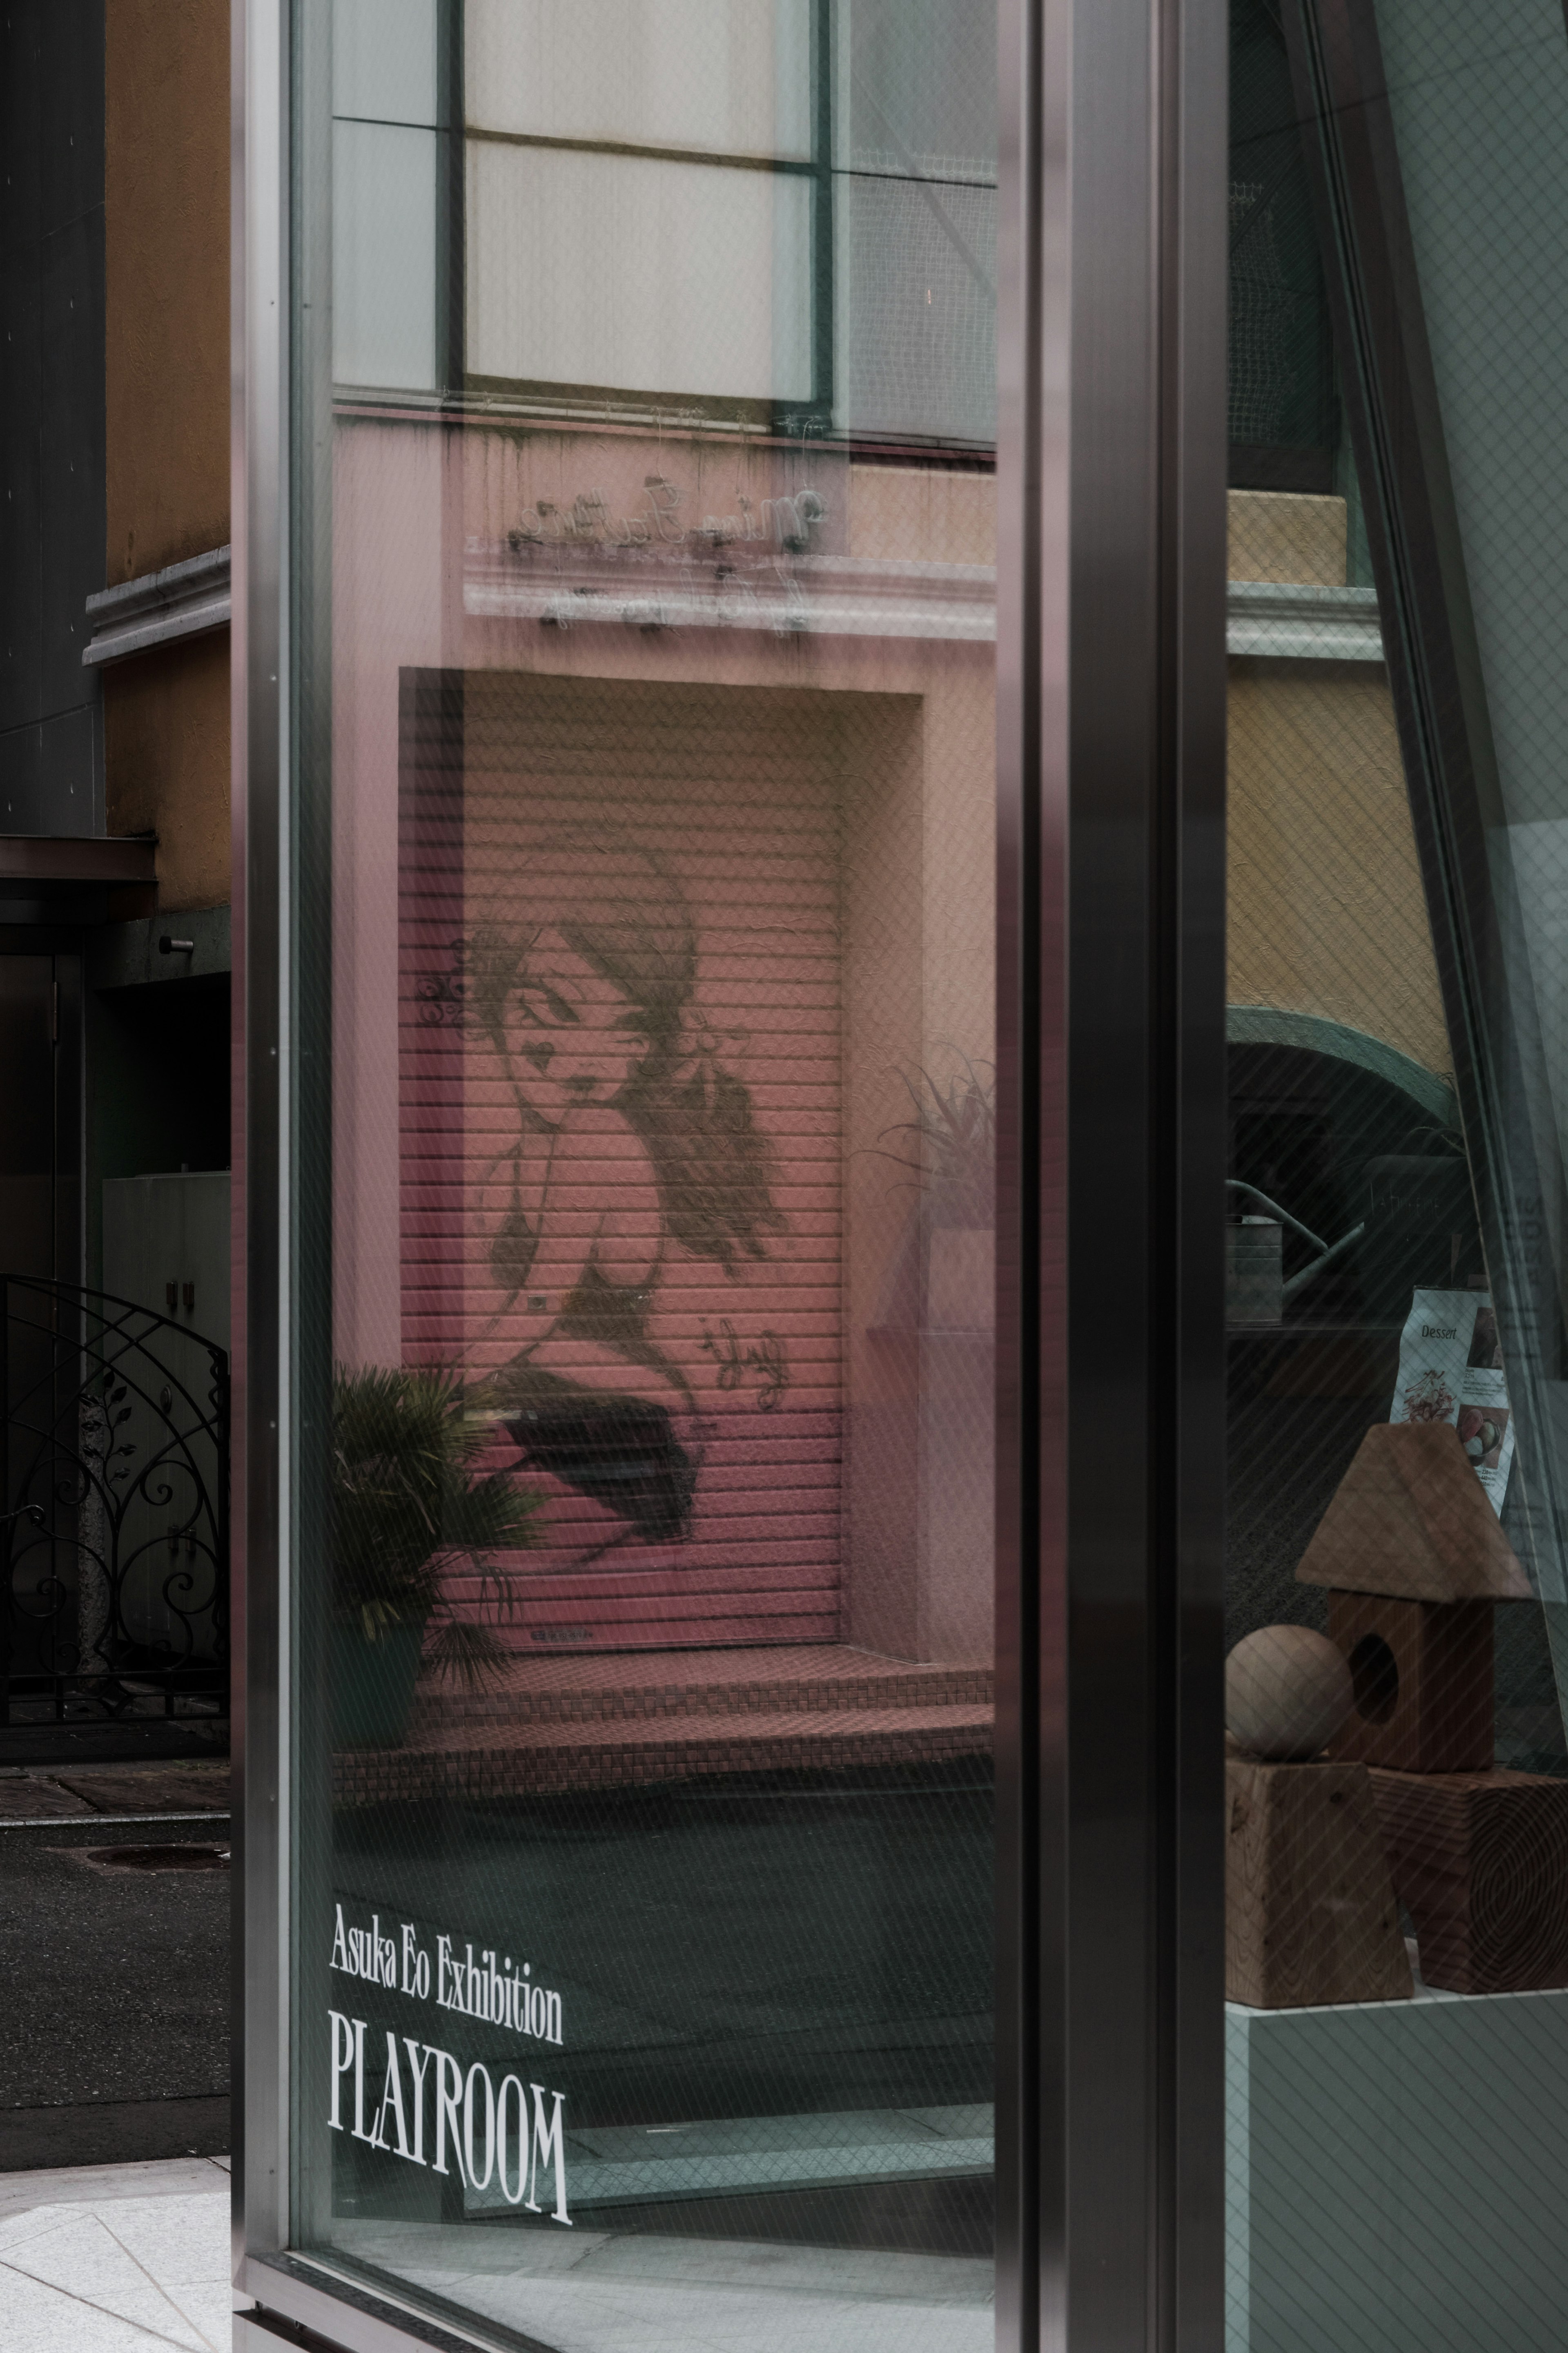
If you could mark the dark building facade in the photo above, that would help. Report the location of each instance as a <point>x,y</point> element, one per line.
<point>114,932</point>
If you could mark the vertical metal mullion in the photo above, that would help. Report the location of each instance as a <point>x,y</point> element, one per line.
<point>259,281</point>
<point>1034,510</point>
<point>1114,2161</point>
<point>821,232</point>
<point>1112,689</point>
<point>451,199</point>
<point>1190,1172</point>
<point>306,920</point>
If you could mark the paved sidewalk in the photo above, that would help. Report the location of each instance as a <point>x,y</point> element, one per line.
<point>116,2258</point>
<point>38,1793</point>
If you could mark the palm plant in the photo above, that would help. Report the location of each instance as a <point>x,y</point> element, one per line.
<point>950,1143</point>
<point>409,1505</point>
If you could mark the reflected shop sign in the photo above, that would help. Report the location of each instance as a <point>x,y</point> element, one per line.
<point>785,522</point>
<point>421,2097</point>
<point>662,558</point>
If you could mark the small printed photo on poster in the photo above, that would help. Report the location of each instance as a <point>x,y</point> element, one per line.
<point>1450,1370</point>
<point>1426,1396</point>
<point>1483,1431</point>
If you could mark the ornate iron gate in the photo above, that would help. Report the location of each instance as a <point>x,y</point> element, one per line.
<point>114,1533</point>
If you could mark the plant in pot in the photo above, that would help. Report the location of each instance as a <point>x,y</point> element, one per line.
<point>950,1143</point>
<point>409,1506</point>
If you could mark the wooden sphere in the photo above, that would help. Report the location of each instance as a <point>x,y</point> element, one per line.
<point>1288,1690</point>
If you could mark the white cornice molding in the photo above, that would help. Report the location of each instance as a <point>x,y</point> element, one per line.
<point>1289,622</point>
<point>1284,621</point>
<point>184,600</point>
<point>654,589</point>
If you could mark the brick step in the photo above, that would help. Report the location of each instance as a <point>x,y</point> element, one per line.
<point>796,1679</point>
<point>606,1754</point>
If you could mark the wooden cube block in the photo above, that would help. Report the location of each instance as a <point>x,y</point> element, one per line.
<point>1309,1909</point>
<point>1423,1678</point>
<point>1480,1863</point>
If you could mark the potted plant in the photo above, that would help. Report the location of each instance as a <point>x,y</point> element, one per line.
<point>408,1505</point>
<point>951,1146</point>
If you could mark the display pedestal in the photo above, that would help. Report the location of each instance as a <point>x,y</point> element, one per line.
<point>1397,2176</point>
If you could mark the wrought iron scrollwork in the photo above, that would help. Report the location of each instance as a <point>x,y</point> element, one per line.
<point>114,1538</point>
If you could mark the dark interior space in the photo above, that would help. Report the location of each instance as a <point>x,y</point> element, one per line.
<point>52,415</point>
<point>1284,423</point>
<point>161,1093</point>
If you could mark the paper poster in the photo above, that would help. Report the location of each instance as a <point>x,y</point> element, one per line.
<point>1450,1369</point>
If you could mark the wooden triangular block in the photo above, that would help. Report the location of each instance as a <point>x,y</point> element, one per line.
<point>1410,1519</point>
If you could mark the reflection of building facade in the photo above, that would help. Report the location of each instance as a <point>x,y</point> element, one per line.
<point>838,694</point>
<point>646,535</point>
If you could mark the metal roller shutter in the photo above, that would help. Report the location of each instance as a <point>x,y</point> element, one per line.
<point>640,883</point>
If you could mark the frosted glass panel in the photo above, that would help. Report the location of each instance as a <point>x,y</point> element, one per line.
<point>725,76</point>
<point>384,60</point>
<point>383,256</point>
<point>616,270</point>
<point>917,89</point>
<point>917,303</point>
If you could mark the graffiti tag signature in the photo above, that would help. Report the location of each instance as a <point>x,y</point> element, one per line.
<point>765,1359</point>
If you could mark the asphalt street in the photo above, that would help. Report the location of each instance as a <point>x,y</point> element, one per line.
<point>114,2025</point>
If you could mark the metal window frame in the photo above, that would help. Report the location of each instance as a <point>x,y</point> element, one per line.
<point>451,198</point>
<point>260,277</point>
<point>1109,1367</point>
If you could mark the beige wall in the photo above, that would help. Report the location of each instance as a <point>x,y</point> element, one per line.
<point>1284,535</point>
<point>1327,911</point>
<point>167,726</point>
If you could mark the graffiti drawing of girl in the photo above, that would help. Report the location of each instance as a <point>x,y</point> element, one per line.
<point>626,1141</point>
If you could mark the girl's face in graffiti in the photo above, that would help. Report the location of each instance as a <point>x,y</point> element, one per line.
<point>574,1038</point>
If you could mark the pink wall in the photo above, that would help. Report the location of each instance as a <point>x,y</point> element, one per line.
<point>820,797</point>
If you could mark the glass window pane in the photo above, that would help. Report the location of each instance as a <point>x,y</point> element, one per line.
<point>917,291</point>
<point>1397,1778</point>
<point>384,237</point>
<point>645,913</point>
<point>653,277</point>
<point>918,79</point>
<point>716,76</point>
<point>914,212</point>
<point>384,60</point>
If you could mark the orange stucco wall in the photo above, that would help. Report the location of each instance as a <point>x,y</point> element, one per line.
<point>166,281</point>
<point>167,165</point>
<point>166,743</point>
